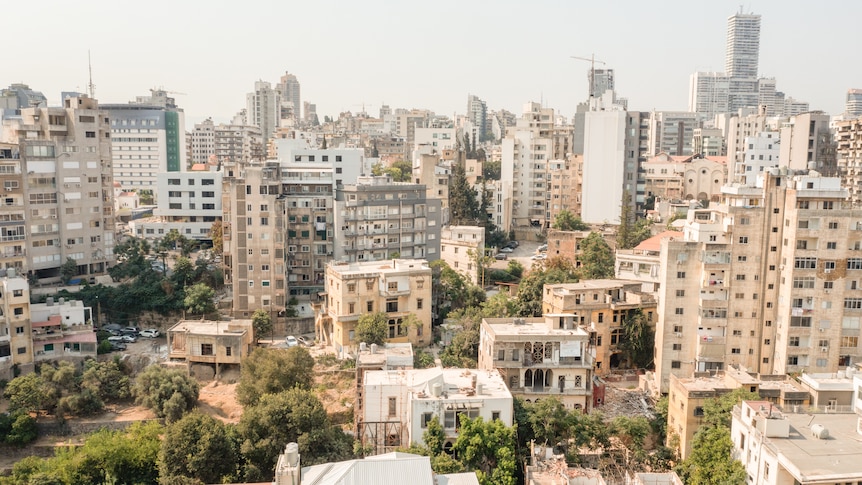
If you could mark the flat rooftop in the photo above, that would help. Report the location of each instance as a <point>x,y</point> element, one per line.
<point>391,354</point>
<point>530,326</point>
<point>828,382</point>
<point>606,284</point>
<point>389,266</point>
<point>211,327</point>
<point>836,459</point>
<point>456,383</point>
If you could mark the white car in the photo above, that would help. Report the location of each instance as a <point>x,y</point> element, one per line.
<point>117,339</point>
<point>291,341</point>
<point>150,333</point>
<point>539,257</point>
<point>507,250</point>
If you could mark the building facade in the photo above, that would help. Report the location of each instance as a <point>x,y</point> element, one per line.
<point>463,249</point>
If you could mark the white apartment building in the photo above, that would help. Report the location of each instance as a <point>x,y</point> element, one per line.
<point>57,185</point>
<point>848,135</point>
<point>684,178</point>
<point>709,93</point>
<point>807,142</point>
<point>16,342</point>
<point>780,446</point>
<point>191,203</point>
<point>540,357</point>
<point>148,137</point>
<point>62,330</point>
<point>761,152</point>
<point>263,109</point>
<point>291,100</point>
<point>462,247</point>
<point>202,141</point>
<point>397,405</point>
<point>672,132</point>
<point>438,139</point>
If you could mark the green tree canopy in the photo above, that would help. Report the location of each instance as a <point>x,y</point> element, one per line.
<point>68,270</point>
<point>531,288</point>
<point>199,446</point>
<point>25,393</point>
<point>261,321</point>
<point>566,221</point>
<point>278,419</point>
<point>169,393</point>
<point>372,328</point>
<point>597,258</point>
<point>488,448</point>
<point>271,371</point>
<point>199,299</point>
<point>464,203</point>
<point>638,339</point>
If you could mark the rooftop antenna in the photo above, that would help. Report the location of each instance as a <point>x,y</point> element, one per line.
<point>91,87</point>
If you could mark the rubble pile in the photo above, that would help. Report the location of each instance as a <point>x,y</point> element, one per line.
<point>625,402</point>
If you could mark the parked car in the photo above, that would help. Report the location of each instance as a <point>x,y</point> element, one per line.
<point>539,257</point>
<point>500,256</point>
<point>129,339</point>
<point>291,341</point>
<point>134,330</point>
<point>543,247</point>
<point>117,346</point>
<point>150,333</point>
<point>116,339</point>
<point>507,249</point>
<point>303,341</point>
<point>511,244</point>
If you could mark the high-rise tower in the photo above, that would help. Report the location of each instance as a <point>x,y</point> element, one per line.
<point>743,45</point>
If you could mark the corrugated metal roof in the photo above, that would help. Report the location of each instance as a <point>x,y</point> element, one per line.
<point>458,479</point>
<point>388,469</point>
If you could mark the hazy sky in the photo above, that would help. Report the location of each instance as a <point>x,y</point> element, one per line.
<point>418,54</point>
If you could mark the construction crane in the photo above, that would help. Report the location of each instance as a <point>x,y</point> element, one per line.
<point>592,60</point>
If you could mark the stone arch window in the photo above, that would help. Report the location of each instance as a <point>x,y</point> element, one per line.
<point>562,383</point>
<point>549,378</point>
<point>528,378</point>
<point>538,379</point>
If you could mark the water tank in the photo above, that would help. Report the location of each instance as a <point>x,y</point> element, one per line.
<point>363,346</point>
<point>291,452</point>
<point>373,348</point>
<point>479,389</point>
<point>436,389</point>
<point>820,432</point>
<point>10,272</point>
<point>49,301</point>
<point>61,301</point>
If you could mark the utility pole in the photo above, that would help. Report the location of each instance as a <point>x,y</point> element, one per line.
<point>592,60</point>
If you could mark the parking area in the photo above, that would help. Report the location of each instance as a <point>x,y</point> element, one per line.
<point>522,254</point>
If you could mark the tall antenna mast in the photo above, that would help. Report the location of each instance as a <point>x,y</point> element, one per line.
<point>91,86</point>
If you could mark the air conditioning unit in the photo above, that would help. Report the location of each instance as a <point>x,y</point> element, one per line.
<point>827,270</point>
<point>822,330</point>
<point>678,334</point>
<point>824,349</point>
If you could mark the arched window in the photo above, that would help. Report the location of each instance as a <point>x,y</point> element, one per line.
<point>538,379</point>
<point>562,383</point>
<point>549,378</point>
<point>528,378</point>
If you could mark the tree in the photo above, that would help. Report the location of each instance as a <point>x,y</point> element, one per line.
<point>199,299</point>
<point>169,393</point>
<point>549,421</point>
<point>566,221</point>
<point>17,428</point>
<point>488,448</point>
<point>515,268</point>
<point>464,208</point>
<point>597,259</point>
<point>184,271</point>
<point>491,170</point>
<point>422,359</point>
<point>434,436</point>
<point>275,421</point>
<point>711,461</point>
<point>199,446</point>
<point>400,171</point>
<point>68,270</point>
<point>106,379</point>
<point>372,328</point>
<point>271,371</point>
<point>25,393</point>
<point>452,290</point>
<point>531,288</point>
<point>261,322</point>
<point>638,339</point>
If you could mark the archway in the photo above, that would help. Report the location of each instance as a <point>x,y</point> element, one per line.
<point>549,378</point>
<point>538,379</point>
<point>528,378</point>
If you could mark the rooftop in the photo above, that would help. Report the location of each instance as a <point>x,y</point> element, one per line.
<point>456,383</point>
<point>382,267</point>
<point>530,326</point>
<point>810,459</point>
<point>838,381</point>
<point>654,243</point>
<point>390,354</point>
<point>210,327</point>
<point>604,284</point>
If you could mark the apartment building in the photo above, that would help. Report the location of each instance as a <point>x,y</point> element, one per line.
<point>398,287</point>
<point>565,186</point>
<point>378,219</point>
<point>434,173</point>
<point>398,406</point>
<point>386,357</point>
<point>253,237</point>
<point>601,307</point>
<point>62,330</point>
<point>147,137</point>
<point>237,143</point>
<point>761,152</point>
<point>642,263</point>
<point>57,184</point>
<point>540,357</point>
<point>848,136</point>
<point>263,109</point>
<point>672,132</point>
<point>16,335</point>
<point>201,142</point>
<point>463,247</point>
<point>565,244</point>
<point>708,142</point>
<point>807,143</point>
<point>190,204</point>
<point>780,446</point>
<point>688,395</point>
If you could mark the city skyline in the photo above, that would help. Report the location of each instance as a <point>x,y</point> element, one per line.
<point>424,58</point>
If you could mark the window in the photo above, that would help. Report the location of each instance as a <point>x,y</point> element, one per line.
<point>800,321</point>
<point>854,263</point>
<point>743,239</point>
<point>227,351</point>
<point>677,346</point>
<point>392,406</point>
<point>833,225</point>
<point>793,342</point>
<point>675,364</point>
<point>853,303</point>
<point>680,292</point>
<point>495,415</point>
<point>369,306</point>
<point>351,308</point>
<point>419,303</point>
<point>805,263</point>
<point>206,349</point>
<point>426,418</point>
<point>392,305</point>
<point>831,245</point>
<point>680,274</point>
<point>850,341</point>
<point>678,311</point>
<point>740,277</point>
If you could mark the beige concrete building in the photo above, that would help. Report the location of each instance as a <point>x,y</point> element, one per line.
<point>388,357</point>
<point>219,344</point>
<point>62,330</point>
<point>642,263</point>
<point>57,190</point>
<point>565,185</point>
<point>601,308</point>
<point>565,244</point>
<point>685,177</point>
<point>398,288</point>
<point>688,395</point>
<point>253,237</point>
<point>830,391</point>
<point>848,135</point>
<point>462,247</point>
<point>16,342</point>
<point>540,357</point>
